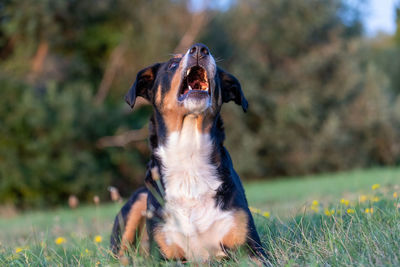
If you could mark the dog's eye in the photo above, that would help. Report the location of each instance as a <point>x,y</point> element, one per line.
<point>173,65</point>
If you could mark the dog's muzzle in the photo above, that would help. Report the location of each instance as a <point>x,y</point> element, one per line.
<point>195,91</point>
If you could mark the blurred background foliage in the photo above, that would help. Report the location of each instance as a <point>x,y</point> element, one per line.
<point>322,96</point>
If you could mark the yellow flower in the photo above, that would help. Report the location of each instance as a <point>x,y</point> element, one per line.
<point>18,249</point>
<point>254,210</point>
<point>375,186</point>
<point>315,203</point>
<point>371,210</point>
<point>375,199</point>
<point>266,214</point>
<point>363,198</point>
<point>315,208</point>
<point>395,195</point>
<point>350,211</point>
<point>98,239</point>
<point>345,201</point>
<point>87,251</point>
<point>60,240</point>
<point>329,212</point>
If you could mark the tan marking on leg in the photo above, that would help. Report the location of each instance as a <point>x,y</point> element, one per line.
<point>135,221</point>
<point>172,251</point>
<point>238,233</point>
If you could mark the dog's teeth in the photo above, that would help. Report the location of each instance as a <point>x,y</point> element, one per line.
<point>187,72</point>
<point>190,88</point>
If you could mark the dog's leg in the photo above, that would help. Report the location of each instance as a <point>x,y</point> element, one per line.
<point>236,236</point>
<point>253,241</point>
<point>169,251</point>
<point>134,222</point>
<point>129,221</point>
<point>244,231</point>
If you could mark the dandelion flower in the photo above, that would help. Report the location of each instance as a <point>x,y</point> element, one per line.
<point>315,203</point>
<point>18,249</point>
<point>375,199</point>
<point>329,212</point>
<point>254,210</point>
<point>363,198</point>
<point>345,202</point>
<point>314,208</point>
<point>266,214</point>
<point>395,195</point>
<point>98,239</point>
<point>60,240</point>
<point>375,186</point>
<point>371,210</point>
<point>350,211</point>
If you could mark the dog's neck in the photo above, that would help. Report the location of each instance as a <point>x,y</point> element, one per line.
<point>190,125</point>
<point>188,158</point>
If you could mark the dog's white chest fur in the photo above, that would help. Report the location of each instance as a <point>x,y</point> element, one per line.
<point>192,220</point>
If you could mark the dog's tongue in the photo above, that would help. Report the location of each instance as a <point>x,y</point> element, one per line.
<point>185,91</point>
<point>198,85</point>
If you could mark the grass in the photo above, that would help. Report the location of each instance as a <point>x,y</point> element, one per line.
<point>307,225</point>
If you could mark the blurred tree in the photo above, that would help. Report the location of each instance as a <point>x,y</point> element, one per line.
<point>316,103</point>
<point>65,66</point>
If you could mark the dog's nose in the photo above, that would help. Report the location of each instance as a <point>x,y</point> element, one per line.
<point>199,51</point>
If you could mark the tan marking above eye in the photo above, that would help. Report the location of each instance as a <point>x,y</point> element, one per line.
<point>178,56</point>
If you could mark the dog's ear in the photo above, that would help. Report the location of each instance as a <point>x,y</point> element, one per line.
<point>143,84</point>
<point>231,89</point>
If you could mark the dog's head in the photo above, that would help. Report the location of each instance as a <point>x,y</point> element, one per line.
<point>187,84</point>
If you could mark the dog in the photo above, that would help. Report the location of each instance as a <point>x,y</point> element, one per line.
<point>193,206</point>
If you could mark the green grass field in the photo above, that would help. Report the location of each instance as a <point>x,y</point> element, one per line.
<point>325,220</point>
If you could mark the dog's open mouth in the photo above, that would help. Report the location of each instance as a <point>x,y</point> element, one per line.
<point>195,82</point>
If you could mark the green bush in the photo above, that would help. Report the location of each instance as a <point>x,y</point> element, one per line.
<point>48,145</point>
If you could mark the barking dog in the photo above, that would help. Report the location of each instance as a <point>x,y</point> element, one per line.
<point>194,205</point>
